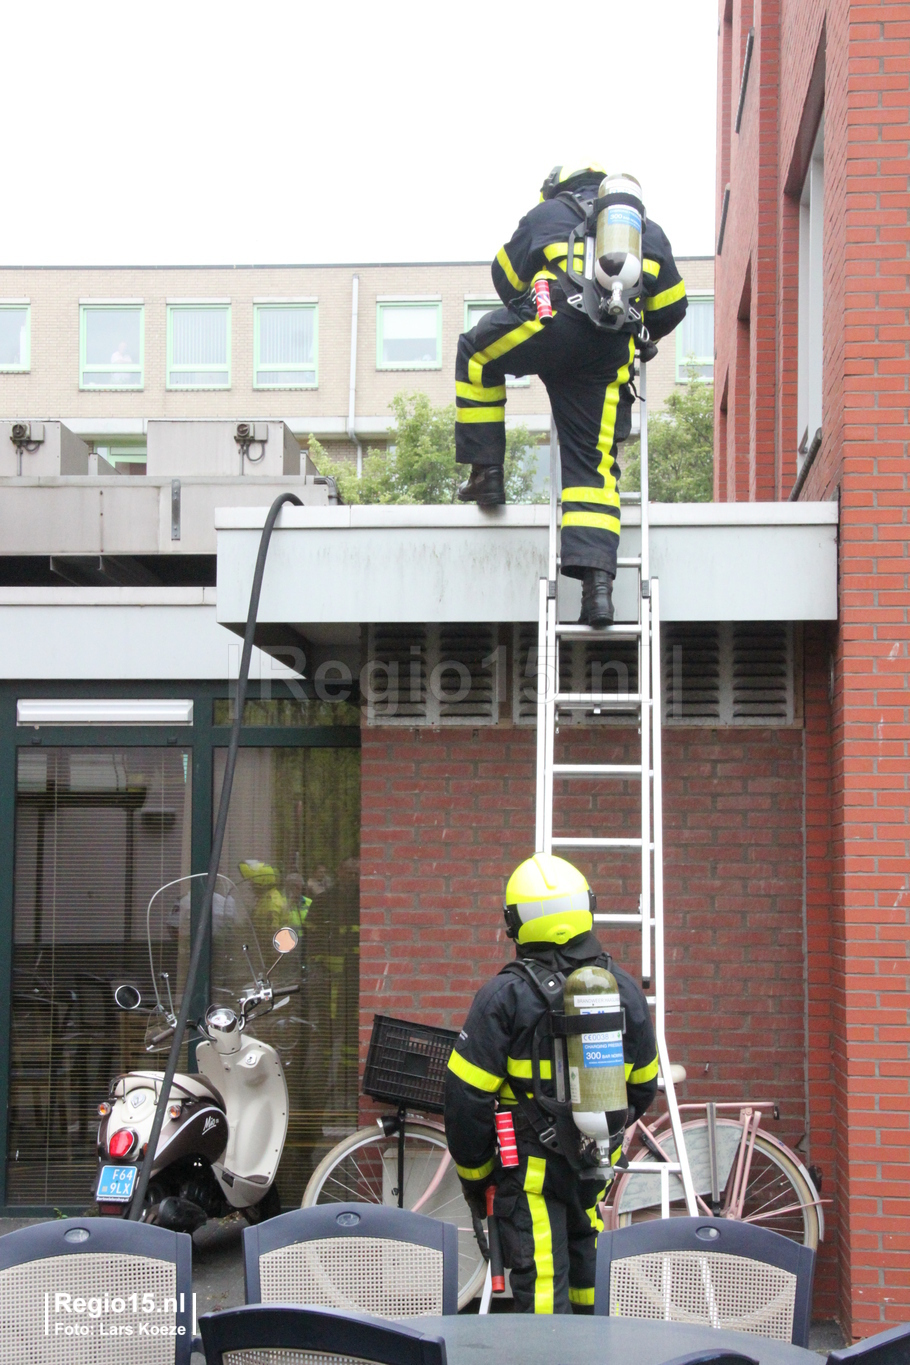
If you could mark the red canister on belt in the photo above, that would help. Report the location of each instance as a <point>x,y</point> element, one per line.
<point>505,1132</point>
<point>542,300</point>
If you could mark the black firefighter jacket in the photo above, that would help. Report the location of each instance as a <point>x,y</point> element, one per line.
<point>493,1053</point>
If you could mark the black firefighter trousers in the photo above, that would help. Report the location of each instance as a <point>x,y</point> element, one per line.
<point>548,1224</point>
<point>585,371</point>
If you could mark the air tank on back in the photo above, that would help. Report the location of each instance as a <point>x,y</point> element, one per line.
<point>618,249</point>
<point>597,1073</point>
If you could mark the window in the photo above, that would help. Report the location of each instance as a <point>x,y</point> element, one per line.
<point>474,310</point>
<point>199,345</point>
<point>15,335</point>
<point>284,345</point>
<point>695,340</point>
<point>809,345</point>
<point>111,345</point>
<point>408,334</point>
<point>133,456</point>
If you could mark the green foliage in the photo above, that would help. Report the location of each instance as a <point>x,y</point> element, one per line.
<point>420,467</point>
<point>680,448</point>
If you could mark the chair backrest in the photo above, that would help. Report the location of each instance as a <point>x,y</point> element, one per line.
<point>260,1334</point>
<point>711,1271</point>
<point>362,1258</point>
<point>72,1288</point>
<point>885,1348</point>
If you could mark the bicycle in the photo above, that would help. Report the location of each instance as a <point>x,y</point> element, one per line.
<point>402,1159</point>
<point>738,1172</point>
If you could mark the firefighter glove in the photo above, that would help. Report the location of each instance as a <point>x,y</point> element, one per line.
<point>475,1197</point>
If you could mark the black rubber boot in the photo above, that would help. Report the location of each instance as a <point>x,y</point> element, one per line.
<point>486,486</point>
<point>596,599</point>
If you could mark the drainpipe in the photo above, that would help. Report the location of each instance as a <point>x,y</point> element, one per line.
<point>352,391</point>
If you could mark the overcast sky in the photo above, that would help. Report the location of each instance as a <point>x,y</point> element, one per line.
<point>204,133</point>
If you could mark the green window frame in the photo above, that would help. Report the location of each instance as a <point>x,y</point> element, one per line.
<point>9,307</point>
<point>122,374</point>
<point>387,308</point>
<point>284,372</point>
<point>281,715</point>
<point>474,310</point>
<point>197,357</point>
<point>686,358</point>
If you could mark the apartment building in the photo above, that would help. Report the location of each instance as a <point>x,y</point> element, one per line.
<point>813,359</point>
<point>322,348</point>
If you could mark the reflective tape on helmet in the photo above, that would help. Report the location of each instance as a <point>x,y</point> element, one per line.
<point>558,905</point>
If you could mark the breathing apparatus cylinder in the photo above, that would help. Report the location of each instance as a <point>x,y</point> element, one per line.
<point>617,248</point>
<point>597,1074</point>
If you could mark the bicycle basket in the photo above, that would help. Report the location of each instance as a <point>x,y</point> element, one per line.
<point>406,1063</point>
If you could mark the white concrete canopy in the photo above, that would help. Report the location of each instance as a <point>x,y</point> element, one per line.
<point>331,568</point>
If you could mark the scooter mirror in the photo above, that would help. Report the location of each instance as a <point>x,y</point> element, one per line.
<point>127,996</point>
<point>285,941</point>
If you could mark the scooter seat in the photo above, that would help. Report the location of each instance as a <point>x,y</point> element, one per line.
<point>199,1088</point>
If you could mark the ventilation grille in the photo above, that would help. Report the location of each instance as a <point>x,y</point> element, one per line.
<point>713,674</point>
<point>433,675</point>
<point>729,674</point>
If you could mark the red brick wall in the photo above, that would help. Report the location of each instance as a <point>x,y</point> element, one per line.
<point>858,852</point>
<point>447,814</point>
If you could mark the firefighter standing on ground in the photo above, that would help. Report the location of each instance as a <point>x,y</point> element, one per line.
<point>586,370</point>
<point>546,1210</point>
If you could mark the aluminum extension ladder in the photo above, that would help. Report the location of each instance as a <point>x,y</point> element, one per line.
<point>647,706</point>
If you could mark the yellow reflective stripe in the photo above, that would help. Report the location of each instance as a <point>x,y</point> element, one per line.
<point>506,1094</point>
<point>555,250</point>
<point>476,393</point>
<point>480,414</point>
<point>676,291</point>
<point>517,1067</point>
<point>608,497</point>
<point>543,1236</point>
<point>605,440</point>
<point>594,1211</point>
<point>508,271</point>
<point>599,520</point>
<point>497,348</point>
<point>474,1075</point>
<point>475,1172</point>
<point>644,1073</point>
<point>650,267</point>
<point>581,1296</point>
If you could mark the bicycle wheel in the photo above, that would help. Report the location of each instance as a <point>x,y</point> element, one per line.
<point>778,1196</point>
<point>363,1169</point>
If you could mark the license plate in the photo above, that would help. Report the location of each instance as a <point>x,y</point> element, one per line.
<point>115,1184</point>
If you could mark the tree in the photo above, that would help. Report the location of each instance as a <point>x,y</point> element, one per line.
<point>680,447</point>
<point>420,466</point>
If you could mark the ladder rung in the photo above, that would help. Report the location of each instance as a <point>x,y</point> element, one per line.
<point>654,1167</point>
<point>597,770</point>
<point>620,919</point>
<point>624,632</point>
<point>603,701</point>
<point>566,842</point>
<point>630,562</point>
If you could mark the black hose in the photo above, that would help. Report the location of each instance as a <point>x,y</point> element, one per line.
<point>205,912</point>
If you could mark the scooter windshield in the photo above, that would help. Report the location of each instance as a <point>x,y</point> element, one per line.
<point>171,917</point>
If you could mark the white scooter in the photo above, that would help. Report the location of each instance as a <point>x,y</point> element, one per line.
<point>225,1128</point>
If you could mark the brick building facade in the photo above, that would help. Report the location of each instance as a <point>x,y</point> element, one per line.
<point>812,402</point>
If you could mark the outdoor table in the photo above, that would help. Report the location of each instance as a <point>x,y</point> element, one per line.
<point>526,1339</point>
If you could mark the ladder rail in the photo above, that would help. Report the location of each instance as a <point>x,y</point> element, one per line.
<point>648,703</point>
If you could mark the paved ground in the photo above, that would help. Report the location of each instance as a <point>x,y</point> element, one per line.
<point>218,1275</point>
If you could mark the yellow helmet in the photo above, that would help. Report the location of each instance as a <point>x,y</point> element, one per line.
<point>568,178</point>
<point>260,874</point>
<point>548,901</point>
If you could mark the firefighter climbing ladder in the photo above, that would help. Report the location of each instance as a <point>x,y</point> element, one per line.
<point>646,704</point>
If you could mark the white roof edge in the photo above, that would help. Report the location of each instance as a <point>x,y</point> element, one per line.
<point>69,596</point>
<point>398,517</point>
